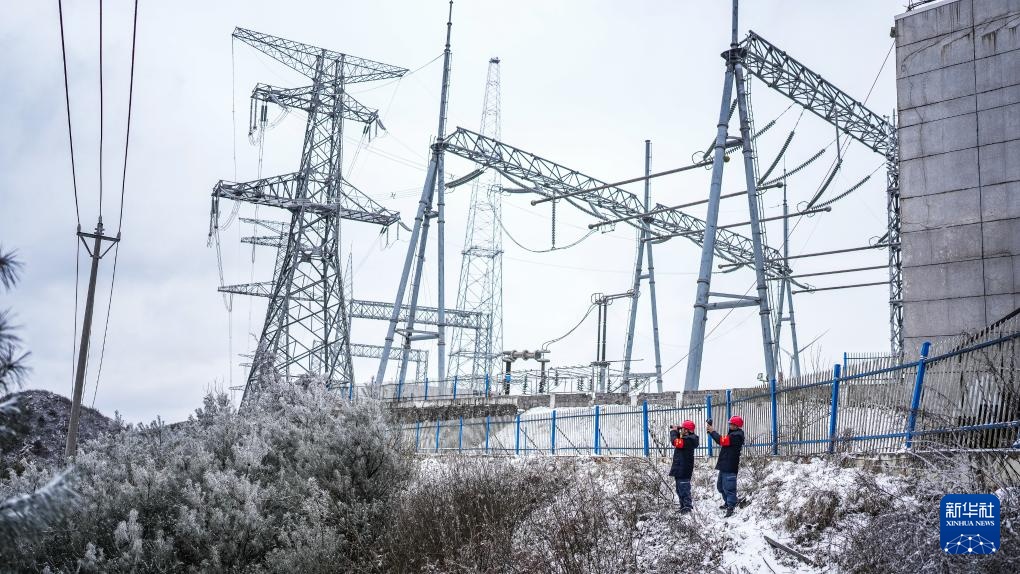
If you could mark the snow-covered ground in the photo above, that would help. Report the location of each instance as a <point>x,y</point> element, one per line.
<point>821,507</point>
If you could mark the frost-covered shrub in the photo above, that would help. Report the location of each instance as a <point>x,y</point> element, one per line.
<point>298,480</point>
<point>461,513</point>
<point>818,512</point>
<point>578,532</point>
<point>911,522</point>
<point>545,515</point>
<point>616,516</point>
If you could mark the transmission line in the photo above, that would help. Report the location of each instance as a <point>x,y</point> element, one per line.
<point>67,101</point>
<point>101,109</point>
<point>572,329</point>
<point>127,134</point>
<point>123,187</point>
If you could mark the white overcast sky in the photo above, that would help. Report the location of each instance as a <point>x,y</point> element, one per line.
<point>584,83</point>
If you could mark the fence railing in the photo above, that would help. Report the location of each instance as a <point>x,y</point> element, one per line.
<point>958,393</point>
<point>575,379</point>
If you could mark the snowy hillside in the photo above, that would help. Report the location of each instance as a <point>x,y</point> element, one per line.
<point>619,515</point>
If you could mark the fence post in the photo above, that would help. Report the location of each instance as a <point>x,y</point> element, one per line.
<point>597,429</point>
<point>644,417</point>
<point>426,387</point>
<point>517,435</point>
<point>417,437</point>
<point>552,435</point>
<point>400,389</point>
<point>455,386</point>
<point>708,416</point>
<point>460,435</point>
<point>729,404</point>
<point>915,402</point>
<point>486,434</point>
<point>775,418</point>
<point>834,411</point>
<point>350,391</point>
<point>437,436</point>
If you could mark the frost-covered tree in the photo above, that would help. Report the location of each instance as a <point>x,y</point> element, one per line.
<point>25,513</point>
<point>12,360</point>
<point>299,480</point>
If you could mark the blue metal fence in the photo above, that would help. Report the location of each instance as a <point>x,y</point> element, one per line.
<point>960,394</point>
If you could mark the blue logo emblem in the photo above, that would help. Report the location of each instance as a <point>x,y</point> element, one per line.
<point>969,524</point>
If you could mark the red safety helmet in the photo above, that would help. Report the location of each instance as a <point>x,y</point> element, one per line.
<point>738,421</point>
<point>689,425</point>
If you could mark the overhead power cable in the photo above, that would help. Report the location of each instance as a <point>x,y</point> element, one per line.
<point>74,331</point>
<point>101,109</point>
<point>879,74</point>
<point>546,344</point>
<point>106,326</point>
<point>709,334</point>
<point>127,134</point>
<point>67,101</point>
<point>554,248</point>
<point>123,187</point>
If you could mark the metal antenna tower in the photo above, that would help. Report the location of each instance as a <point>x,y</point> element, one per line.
<point>644,249</point>
<point>307,326</point>
<point>734,75</point>
<point>416,246</point>
<point>475,353</point>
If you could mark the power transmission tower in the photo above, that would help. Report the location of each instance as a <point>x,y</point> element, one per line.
<point>475,352</point>
<point>307,326</point>
<point>644,251</point>
<point>734,75</point>
<point>434,181</point>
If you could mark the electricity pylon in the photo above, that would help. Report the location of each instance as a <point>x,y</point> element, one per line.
<point>434,181</point>
<point>307,327</point>
<point>734,75</point>
<point>475,352</point>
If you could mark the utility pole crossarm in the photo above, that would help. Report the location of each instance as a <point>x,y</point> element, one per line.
<point>303,99</point>
<point>796,81</point>
<point>553,179</point>
<point>376,352</point>
<point>302,58</point>
<point>283,191</point>
<point>277,227</point>
<point>266,240</point>
<point>361,309</point>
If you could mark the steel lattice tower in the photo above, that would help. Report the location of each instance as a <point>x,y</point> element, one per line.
<point>307,324</point>
<point>475,352</point>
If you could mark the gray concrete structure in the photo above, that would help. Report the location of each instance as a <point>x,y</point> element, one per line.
<point>958,88</point>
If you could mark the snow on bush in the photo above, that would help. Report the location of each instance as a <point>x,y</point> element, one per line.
<point>300,481</point>
<point>548,515</point>
<point>905,537</point>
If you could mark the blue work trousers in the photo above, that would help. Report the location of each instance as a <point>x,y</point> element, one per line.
<point>683,492</point>
<point>727,487</point>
